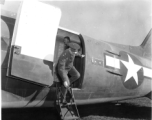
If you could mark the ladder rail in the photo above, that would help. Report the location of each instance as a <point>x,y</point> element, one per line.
<point>68,111</point>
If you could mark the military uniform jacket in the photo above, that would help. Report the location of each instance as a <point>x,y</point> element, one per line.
<point>66,59</point>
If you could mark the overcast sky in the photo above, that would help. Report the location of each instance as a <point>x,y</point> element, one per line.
<point>119,21</point>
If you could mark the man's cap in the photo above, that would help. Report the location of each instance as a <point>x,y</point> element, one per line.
<point>67,38</point>
<point>74,46</point>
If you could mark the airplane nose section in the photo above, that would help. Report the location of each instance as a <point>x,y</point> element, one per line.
<point>5,35</point>
<point>4,30</point>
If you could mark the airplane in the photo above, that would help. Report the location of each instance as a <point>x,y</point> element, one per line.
<point>31,43</point>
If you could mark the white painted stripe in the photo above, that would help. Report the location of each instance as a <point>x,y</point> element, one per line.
<point>147,72</point>
<point>112,62</point>
<point>115,63</point>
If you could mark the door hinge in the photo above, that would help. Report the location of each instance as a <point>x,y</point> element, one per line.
<point>17,49</point>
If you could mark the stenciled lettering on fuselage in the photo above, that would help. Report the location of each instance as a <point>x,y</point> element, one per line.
<point>131,70</point>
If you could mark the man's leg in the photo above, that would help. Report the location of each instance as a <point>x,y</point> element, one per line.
<point>74,74</point>
<point>64,77</point>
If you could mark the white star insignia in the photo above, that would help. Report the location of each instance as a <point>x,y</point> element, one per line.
<point>132,69</point>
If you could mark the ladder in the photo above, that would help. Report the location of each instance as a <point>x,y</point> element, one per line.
<point>67,111</point>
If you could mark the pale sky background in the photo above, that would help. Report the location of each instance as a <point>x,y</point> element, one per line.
<point>119,21</point>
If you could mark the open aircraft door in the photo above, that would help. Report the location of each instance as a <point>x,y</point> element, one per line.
<point>33,42</point>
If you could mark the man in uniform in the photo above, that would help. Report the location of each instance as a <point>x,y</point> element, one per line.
<point>65,67</point>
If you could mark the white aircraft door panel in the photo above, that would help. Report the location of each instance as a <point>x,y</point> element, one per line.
<point>33,41</point>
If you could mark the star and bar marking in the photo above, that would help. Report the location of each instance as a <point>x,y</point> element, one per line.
<point>130,65</point>
<point>132,69</point>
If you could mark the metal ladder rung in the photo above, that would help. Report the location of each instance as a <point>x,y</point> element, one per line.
<point>68,111</point>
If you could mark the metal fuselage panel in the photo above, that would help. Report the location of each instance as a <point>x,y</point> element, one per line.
<point>99,85</point>
<point>101,82</point>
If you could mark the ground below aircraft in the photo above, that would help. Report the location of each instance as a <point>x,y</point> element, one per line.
<point>109,71</point>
